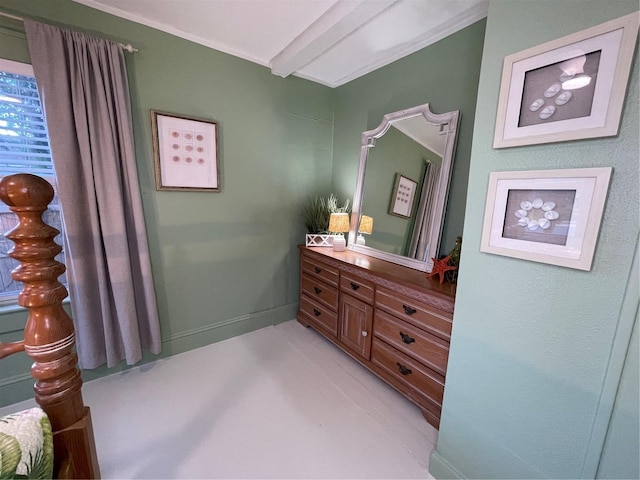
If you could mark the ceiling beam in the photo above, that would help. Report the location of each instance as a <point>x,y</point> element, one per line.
<point>344,17</point>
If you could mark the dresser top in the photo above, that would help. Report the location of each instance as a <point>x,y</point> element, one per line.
<point>381,268</point>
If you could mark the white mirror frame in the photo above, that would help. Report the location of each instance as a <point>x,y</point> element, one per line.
<point>447,121</point>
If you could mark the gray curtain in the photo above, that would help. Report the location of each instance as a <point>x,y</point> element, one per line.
<point>419,246</point>
<point>82,82</point>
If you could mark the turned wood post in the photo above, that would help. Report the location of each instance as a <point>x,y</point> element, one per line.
<point>49,336</point>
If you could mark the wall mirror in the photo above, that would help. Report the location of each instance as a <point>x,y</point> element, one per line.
<point>402,187</point>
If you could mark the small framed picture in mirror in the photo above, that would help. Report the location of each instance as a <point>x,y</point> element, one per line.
<point>402,196</point>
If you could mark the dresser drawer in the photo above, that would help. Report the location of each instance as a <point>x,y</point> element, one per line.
<point>357,287</point>
<point>415,312</point>
<point>320,291</point>
<point>409,372</point>
<point>418,344</point>
<point>319,316</point>
<point>326,273</point>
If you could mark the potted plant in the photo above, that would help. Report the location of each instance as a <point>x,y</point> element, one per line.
<point>315,215</point>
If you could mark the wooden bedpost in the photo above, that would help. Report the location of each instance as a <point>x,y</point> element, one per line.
<point>49,336</point>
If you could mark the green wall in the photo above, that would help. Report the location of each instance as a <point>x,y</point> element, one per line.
<point>620,454</point>
<point>445,75</point>
<point>223,263</point>
<point>537,350</point>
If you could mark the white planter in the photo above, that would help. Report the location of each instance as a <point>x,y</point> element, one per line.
<point>319,240</point>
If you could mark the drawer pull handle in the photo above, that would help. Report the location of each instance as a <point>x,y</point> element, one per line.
<point>317,312</point>
<point>403,370</point>
<point>317,290</point>
<point>409,310</point>
<point>365,333</point>
<point>317,269</point>
<point>354,286</point>
<point>406,338</point>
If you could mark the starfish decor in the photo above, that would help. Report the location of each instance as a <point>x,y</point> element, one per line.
<point>440,267</point>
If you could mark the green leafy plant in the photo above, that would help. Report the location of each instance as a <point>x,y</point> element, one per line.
<point>316,212</point>
<point>332,205</point>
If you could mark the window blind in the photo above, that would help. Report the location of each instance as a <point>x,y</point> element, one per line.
<point>24,143</point>
<point>24,148</point>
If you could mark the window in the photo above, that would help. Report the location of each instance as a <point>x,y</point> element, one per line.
<point>24,148</point>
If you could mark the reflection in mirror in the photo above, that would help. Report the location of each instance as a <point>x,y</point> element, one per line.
<point>403,183</point>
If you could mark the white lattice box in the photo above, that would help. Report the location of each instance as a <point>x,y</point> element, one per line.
<point>319,240</point>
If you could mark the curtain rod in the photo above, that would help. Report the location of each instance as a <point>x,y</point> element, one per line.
<point>126,47</point>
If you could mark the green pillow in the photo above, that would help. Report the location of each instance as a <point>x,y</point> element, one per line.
<point>26,445</point>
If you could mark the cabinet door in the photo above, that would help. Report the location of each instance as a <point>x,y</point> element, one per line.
<point>356,321</point>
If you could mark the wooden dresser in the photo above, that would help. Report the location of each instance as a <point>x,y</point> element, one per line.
<point>390,318</point>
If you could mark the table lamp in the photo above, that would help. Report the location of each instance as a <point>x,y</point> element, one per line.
<point>366,226</point>
<point>338,225</point>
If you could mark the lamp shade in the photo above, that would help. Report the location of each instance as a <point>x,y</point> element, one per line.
<point>366,225</point>
<point>339,223</point>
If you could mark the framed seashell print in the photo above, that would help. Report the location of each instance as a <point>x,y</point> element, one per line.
<point>567,89</point>
<point>185,152</point>
<point>403,196</point>
<point>548,216</point>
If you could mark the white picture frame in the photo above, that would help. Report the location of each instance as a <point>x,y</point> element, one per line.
<point>567,205</point>
<point>538,104</point>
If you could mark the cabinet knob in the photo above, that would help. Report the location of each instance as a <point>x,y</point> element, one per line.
<point>406,338</point>
<point>316,312</point>
<point>317,269</point>
<point>403,370</point>
<point>409,310</point>
<point>364,333</point>
<point>317,290</point>
<point>354,286</point>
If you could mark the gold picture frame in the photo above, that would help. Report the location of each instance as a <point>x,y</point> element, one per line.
<point>185,152</point>
<point>403,196</point>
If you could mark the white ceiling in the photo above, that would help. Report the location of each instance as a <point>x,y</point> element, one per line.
<point>425,133</point>
<point>327,41</point>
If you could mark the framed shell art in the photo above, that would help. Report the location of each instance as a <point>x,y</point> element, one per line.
<point>548,216</point>
<point>185,152</point>
<point>402,196</point>
<point>567,89</point>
